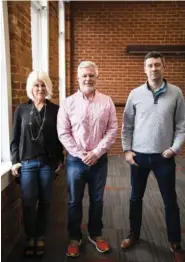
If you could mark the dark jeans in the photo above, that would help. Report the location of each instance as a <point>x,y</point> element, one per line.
<point>36,187</point>
<point>164,171</point>
<point>78,174</point>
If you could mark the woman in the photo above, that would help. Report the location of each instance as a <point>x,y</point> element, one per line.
<point>36,154</point>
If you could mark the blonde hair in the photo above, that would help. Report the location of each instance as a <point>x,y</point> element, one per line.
<point>42,76</point>
<point>87,64</point>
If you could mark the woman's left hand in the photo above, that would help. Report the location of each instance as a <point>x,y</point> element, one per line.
<point>60,165</point>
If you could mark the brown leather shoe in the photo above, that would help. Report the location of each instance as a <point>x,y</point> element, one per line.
<point>178,253</point>
<point>179,256</point>
<point>128,242</point>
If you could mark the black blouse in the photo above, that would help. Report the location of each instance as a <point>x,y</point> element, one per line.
<point>47,148</point>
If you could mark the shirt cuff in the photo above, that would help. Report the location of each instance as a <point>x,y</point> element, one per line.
<point>173,150</point>
<point>98,153</point>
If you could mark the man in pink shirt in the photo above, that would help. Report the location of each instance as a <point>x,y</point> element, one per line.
<point>87,127</point>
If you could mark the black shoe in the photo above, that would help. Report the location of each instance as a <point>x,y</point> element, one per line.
<point>29,250</point>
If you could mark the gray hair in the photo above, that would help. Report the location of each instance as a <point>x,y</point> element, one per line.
<point>84,64</point>
<point>42,76</point>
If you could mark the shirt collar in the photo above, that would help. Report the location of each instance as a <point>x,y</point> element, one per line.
<point>84,96</point>
<point>164,85</point>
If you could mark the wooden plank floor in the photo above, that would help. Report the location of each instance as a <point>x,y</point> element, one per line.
<point>153,246</point>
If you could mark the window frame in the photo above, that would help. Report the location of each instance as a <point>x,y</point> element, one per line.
<point>6,90</point>
<point>40,35</point>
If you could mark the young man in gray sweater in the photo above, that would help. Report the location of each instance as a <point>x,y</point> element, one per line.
<point>153,132</point>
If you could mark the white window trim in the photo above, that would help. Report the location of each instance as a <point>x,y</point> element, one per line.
<point>62,60</point>
<point>6,102</point>
<point>40,35</point>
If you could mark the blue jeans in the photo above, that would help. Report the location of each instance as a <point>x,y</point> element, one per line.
<point>78,174</point>
<point>164,171</point>
<point>36,181</point>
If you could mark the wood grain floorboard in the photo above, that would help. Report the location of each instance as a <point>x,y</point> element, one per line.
<point>153,246</point>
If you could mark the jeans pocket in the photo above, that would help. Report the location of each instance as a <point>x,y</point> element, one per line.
<point>136,157</point>
<point>167,158</point>
<point>140,159</point>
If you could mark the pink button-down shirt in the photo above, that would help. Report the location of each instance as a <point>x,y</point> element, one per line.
<point>85,125</point>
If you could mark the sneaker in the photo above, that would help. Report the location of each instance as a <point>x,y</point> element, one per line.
<point>100,244</point>
<point>128,242</point>
<point>73,249</point>
<point>178,253</point>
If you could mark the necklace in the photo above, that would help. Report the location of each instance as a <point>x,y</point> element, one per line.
<point>40,124</point>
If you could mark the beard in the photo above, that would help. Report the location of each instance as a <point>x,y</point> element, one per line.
<point>88,89</point>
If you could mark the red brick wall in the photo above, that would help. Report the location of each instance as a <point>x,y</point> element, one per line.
<point>20,48</point>
<point>68,49</point>
<point>101,31</point>
<point>53,49</point>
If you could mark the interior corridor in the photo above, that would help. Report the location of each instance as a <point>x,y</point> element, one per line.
<point>153,246</point>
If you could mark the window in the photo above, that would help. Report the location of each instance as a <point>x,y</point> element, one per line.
<point>39,33</point>
<point>5,91</point>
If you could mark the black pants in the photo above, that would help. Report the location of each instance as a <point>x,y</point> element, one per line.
<point>164,171</point>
